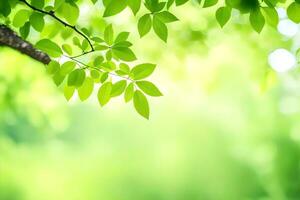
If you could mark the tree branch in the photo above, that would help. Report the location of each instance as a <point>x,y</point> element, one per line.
<point>9,38</point>
<point>51,13</point>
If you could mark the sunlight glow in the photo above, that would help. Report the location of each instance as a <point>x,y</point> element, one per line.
<point>282,60</point>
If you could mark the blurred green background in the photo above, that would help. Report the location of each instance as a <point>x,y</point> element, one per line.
<point>227,127</point>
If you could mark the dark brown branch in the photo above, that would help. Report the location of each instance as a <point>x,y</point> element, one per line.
<point>51,13</point>
<point>9,38</point>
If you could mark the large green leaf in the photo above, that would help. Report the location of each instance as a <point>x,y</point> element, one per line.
<point>86,89</point>
<point>142,71</point>
<point>149,88</point>
<point>144,24</point>
<point>114,7</point>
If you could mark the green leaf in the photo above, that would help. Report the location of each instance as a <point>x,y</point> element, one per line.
<point>118,88</point>
<point>109,35</point>
<point>76,78</point>
<point>86,89</point>
<point>180,2</point>
<point>50,47</point>
<point>114,7</point>
<point>123,36</point>
<point>98,61</point>
<point>58,78</point>
<point>149,88</point>
<point>223,14</point>
<point>58,3</point>
<point>144,25</point>
<point>142,71</point>
<point>20,18</point>
<point>38,3</point>
<point>69,11</point>
<point>124,68</point>
<point>124,53</point>
<point>67,67</point>
<point>104,93</point>
<point>5,8</point>
<point>95,74</point>
<point>293,12</point>
<point>257,20</point>
<point>24,30</point>
<point>128,95</point>
<point>68,49</point>
<point>37,21</point>
<point>134,5</point>
<point>108,66</point>
<point>160,29</point>
<point>52,67</point>
<point>69,92</point>
<point>166,17</point>
<point>209,3</point>
<point>271,16</point>
<point>140,103</point>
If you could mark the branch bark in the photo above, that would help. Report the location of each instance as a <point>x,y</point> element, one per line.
<point>10,39</point>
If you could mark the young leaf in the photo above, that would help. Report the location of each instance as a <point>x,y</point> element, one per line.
<point>160,29</point>
<point>134,5</point>
<point>20,18</point>
<point>52,67</point>
<point>257,20</point>
<point>149,88</point>
<point>109,35</point>
<point>166,17</point>
<point>209,3</point>
<point>68,92</point>
<point>128,95</point>
<point>67,67</point>
<point>144,24</point>
<point>50,47</point>
<point>37,21</point>
<point>86,89</point>
<point>124,53</point>
<point>118,88</point>
<point>271,16</point>
<point>140,103</point>
<point>123,36</point>
<point>114,7</point>
<point>180,2</point>
<point>293,12</point>
<point>223,14</point>
<point>76,78</point>
<point>67,48</point>
<point>142,71</point>
<point>104,93</point>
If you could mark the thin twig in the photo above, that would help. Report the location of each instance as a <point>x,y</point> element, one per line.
<point>84,53</point>
<point>51,13</point>
<point>85,66</point>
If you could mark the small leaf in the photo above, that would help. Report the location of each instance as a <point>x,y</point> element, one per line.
<point>52,67</point>
<point>109,35</point>
<point>86,89</point>
<point>293,12</point>
<point>271,16</point>
<point>76,78</point>
<point>37,21</point>
<point>20,18</point>
<point>223,14</point>
<point>104,93</point>
<point>166,17</point>
<point>67,67</point>
<point>67,48</point>
<point>123,36</point>
<point>209,3</point>
<point>118,88</point>
<point>257,20</point>
<point>124,53</point>
<point>149,88</point>
<point>68,92</point>
<point>114,7</point>
<point>50,47</point>
<point>144,25</point>
<point>180,2</point>
<point>160,29</point>
<point>128,95</point>
<point>140,103</point>
<point>134,5</point>
<point>142,71</point>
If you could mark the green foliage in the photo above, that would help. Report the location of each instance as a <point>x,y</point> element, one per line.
<point>114,51</point>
